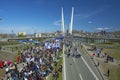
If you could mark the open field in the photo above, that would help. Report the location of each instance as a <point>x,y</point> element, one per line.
<point>3,43</point>
<point>115,53</point>
<point>113,50</point>
<point>114,71</point>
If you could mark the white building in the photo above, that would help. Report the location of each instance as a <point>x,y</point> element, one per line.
<point>37,34</point>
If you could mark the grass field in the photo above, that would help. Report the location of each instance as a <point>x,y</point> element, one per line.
<point>3,43</point>
<point>114,71</point>
<point>113,50</point>
<point>115,53</point>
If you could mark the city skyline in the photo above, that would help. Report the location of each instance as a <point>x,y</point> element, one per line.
<point>45,16</point>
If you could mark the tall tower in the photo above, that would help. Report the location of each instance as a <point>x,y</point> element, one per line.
<point>71,23</point>
<point>62,23</point>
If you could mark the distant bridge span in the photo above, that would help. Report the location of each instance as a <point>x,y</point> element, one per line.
<point>98,39</point>
<point>93,39</point>
<point>26,38</point>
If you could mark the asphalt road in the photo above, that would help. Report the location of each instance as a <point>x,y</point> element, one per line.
<point>77,68</point>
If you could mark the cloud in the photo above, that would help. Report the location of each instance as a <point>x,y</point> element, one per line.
<point>57,23</point>
<point>100,28</point>
<point>92,13</point>
<point>106,28</point>
<point>89,22</point>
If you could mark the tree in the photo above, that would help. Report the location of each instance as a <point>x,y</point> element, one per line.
<point>21,35</point>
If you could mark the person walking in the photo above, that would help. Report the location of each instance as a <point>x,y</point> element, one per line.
<point>98,63</point>
<point>108,72</point>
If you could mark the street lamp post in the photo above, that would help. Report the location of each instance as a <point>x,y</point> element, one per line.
<point>12,33</point>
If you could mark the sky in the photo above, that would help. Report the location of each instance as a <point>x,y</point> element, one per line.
<point>39,16</point>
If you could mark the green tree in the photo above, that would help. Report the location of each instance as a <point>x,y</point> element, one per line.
<point>21,35</point>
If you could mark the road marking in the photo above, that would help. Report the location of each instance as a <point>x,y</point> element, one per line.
<point>64,62</point>
<point>73,59</point>
<point>89,68</point>
<point>81,78</point>
<point>77,69</point>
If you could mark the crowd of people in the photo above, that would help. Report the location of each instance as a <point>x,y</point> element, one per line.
<point>34,63</point>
